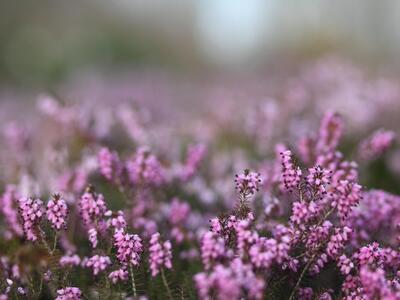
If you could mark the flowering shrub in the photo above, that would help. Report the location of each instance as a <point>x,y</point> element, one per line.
<point>141,212</point>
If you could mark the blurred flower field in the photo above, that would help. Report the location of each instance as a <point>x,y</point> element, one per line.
<point>145,186</point>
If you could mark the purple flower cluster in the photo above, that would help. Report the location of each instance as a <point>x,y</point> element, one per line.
<point>212,249</point>
<point>9,209</point>
<point>194,156</point>
<point>31,211</point>
<point>69,293</point>
<point>70,260</point>
<point>97,263</point>
<point>230,282</point>
<point>109,164</point>
<point>319,178</point>
<point>129,247</point>
<point>248,183</point>
<point>312,217</point>
<point>290,173</point>
<point>118,275</point>
<point>160,254</point>
<point>145,168</point>
<point>375,145</point>
<point>57,212</point>
<point>92,208</point>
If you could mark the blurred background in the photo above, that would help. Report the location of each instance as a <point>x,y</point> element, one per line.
<point>47,42</point>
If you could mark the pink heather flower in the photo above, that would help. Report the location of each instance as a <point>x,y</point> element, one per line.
<point>227,283</point>
<point>376,144</point>
<point>291,175</point>
<point>69,293</point>
<point>245,236</point>
<point>248,183</point>
<point>118,275</point>
<point>194,156</point>
<point>92,208</point>
<point>178,212</point>
<point>369,254</point>
<point>346,196</point>
<point>109,164</point>
<point>329,160</point>
<point>144,168</point>
<point>284,239</point>
<point>160,254</point>
<point>212,249</point>
<point>306,149</point>
<point>318,234</point>
<point>346,170</point>
<point>377,215</point>
<point>303,212</point>
<point>97,263</point>
<point>129,247</point>
<point>215,225</point>
<point>8,207</point>
<point>319,263</point>
<point>118,222</point>
<point>318,178</point>
<point>345,264</point>
<point>70,260</point>
<point>338,241</point>
<point>374,285</point>
<point>57,212</point>
<point>330,132</point>
<point>178,234</point>
<point>263,253</point>
<point>305,293</point>
<point>31,211</point>
<point>92,234</point>
<point>220,280</point>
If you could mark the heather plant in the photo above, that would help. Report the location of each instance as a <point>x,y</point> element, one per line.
<point>131,211</point>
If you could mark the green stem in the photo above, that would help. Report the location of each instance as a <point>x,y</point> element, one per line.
<point>292,295</point>
<point>42,237</point>
<point>132,281</point>
<point>166,284</point>
<point>40,287</point>
<point>55,242</point>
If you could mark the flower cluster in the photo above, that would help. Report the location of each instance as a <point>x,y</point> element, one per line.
<point>194,156</point>
<point>8,207</point>
<point>248,183</point>
<point>160,254</point>
<point>230,282</point>
<point>70,260</point>
<point>373,146</point>
<point>109,164</point>
<point>118,275</point>
<point>97,263</point>
<point>57,212</point>
<point>69,293</point>
<point>314,229</point>
<point>290,173</point>
<point>31,211</point>
<point>92,207</point>
<point>129,247</point>
<point>145,168</point>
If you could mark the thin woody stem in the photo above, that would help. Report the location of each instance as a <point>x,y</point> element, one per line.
<point>132,281</point>
<point>166,284</point>
<point>296,287</point>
